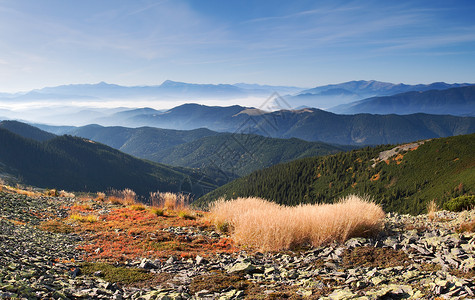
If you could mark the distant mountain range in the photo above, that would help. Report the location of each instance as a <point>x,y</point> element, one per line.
<point>79,164</point>
<point>453,101</point>
<point>332,95</point>
<point>323,97</point>
<point>234,154</point>
<point>400,180</point>
<point>167,90</point>
<point>308,124</point>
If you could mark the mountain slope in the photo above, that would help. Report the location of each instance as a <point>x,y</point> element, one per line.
<point>27,131</point>
<point>437,169</point>
<point>237,154</point>
<point>454,101</point>
<point>82,165</point>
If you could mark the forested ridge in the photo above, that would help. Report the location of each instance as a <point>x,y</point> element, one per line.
<point>439,169</point>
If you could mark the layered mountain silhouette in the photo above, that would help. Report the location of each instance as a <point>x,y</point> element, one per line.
<point>453,101</point>
<point>332,95</point>
<point>308,124</point>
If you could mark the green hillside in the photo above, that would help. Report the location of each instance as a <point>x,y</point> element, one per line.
<point>231,153</point>
<point>439,169</point>
<point>241,154</point>
<point>77,164</point>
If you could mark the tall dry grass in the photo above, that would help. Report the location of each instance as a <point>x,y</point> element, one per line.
<point>169,201</point>
<point>124,197</point>
<point>271,227</point>
<point>432,209</point>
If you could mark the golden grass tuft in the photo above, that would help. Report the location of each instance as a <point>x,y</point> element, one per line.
<point>271,227</point>
<point>432,209</point>
<point>84,219</point>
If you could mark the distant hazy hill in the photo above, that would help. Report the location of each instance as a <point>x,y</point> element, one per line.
<point>372,87</point>
<point>27,131</point>
<point>331,95</point>
<point>454,101</point>
<point>78,164</point>
<point>439,169</point>
<point>237,154</point>
<point>308,124</point>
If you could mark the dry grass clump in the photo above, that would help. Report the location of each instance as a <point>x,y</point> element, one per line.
<point>65,194</point>
<point>169,201</point>
<point>100,197</point>
<point>432,209</point>
<point>467,227</point>
<point>271,227</point>
<point>124,197</point>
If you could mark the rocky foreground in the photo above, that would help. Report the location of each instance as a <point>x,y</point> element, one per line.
<point>414,258</point>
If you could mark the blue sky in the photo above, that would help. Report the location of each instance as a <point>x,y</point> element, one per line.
<point>300,43</point>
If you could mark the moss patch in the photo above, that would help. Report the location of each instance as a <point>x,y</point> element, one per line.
<point>56,226</point>
<point>120,275</point>
<point>219,281</point>
<point>374,257</point>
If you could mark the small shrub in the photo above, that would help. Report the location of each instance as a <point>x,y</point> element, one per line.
<point>461,203</point>
<point>137,207</point>
<point>432,209</point>
<point>223,227</point>
<point>157,211</point>
<point>185,214</point>
<point>52,193</point>
<point>82,218</point>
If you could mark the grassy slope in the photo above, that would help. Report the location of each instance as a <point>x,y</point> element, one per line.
<point>439,169</point>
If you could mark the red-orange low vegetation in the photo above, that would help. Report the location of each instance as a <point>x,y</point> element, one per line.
<point>126,233</point>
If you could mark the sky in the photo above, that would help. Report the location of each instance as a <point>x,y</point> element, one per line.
<point>294,43</point>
